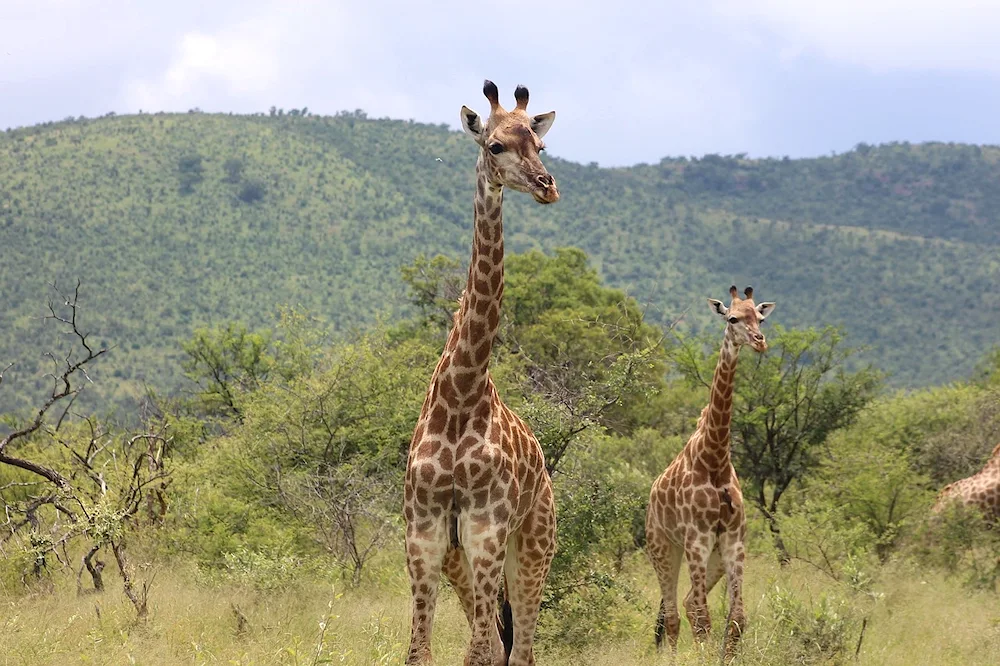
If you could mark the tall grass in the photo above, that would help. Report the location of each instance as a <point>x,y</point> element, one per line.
<point>913,617</point>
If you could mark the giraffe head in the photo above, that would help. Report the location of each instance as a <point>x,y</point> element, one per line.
<point>511,141</point>
<point>743,318</point>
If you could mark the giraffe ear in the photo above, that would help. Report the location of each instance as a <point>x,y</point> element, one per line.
<point>472,124</point>
<point>541,123</point>
<point>718,307</point>
<point>765,309</point>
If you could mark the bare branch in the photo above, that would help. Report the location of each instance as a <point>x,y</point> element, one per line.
<point>62,388</point>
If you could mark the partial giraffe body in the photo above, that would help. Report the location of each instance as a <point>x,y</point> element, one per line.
<point>696,506</point>
<point>981,490</point>
<point>477,500</point>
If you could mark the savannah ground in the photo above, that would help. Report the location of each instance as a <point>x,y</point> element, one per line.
<point>914,617</point>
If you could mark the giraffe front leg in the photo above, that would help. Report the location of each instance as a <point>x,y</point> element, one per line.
<point>733,553</point>
<point>426,543</point>
<point>529,557</point>
<point>665,556</point>
<point>485,545</point>
<point>698,550</point>
<point>714,571</point>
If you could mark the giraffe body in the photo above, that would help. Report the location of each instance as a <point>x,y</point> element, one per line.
<point>981,490</point>
<point>696,506</point>
<point>478,501</point>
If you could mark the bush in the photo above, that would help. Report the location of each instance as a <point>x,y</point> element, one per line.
<point>818,633</point>
<point>962,542</point>
<point>824,536</point>
<point>252,191</point>
<point>865,491</point>
<point>262,571</point>
<point>587,598</point>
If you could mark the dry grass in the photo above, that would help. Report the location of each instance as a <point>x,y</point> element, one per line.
<point>920,618</point>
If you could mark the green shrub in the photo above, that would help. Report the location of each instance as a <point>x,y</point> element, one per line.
<point>587,596</point>
<point>262,571</point>
<point>812,633</point>
<point>962,542</point>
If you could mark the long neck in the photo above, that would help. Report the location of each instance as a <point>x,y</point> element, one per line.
<point>470,343</point>
<point>992,465</point>
<point>718,414</point>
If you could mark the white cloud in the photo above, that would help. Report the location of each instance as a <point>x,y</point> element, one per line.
<point>43,38</point>
<point>238,62</point>
<point>252,62</point>
<point>881,35</point>
<point>629,84</point>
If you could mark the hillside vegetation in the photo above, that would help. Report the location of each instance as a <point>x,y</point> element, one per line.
<point>178,221</point>
<point>212,528</point>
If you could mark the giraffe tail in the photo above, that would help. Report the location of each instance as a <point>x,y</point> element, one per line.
<point>505,624</point>
<point>661,624</point>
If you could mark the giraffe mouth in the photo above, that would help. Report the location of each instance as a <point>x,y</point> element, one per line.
<point>546,195</point>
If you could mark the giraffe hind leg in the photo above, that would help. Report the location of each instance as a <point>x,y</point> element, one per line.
<point>459,574</point>
<point>661,624</point>
<point>505,624</point>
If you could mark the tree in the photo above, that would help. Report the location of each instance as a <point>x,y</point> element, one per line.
<point>225,362</point>
<point>786,403</point>
<point>987,374</point>
<point>252,191</point>
<point>191,172</point>
<point>434,285</point>
<point>234,170</point>
<point>67,481</point>
<point>319,452</point>
<point>230,361</point>
<point>571,353</point>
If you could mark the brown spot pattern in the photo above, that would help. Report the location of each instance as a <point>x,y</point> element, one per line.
<point>475,473</point>
<point>695,512</point>
<point>981,490</point>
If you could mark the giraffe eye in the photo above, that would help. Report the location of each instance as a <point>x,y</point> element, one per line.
<point>734,320</point>
<point>496,148</point>
<point>541,148</point>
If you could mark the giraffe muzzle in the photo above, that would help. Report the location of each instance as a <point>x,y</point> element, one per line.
<point>545,190</point>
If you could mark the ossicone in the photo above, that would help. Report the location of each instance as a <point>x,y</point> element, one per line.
<point>521,97</point>
<point>491,92</point>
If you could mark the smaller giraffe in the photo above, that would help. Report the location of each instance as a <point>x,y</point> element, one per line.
<point>981,490</point>
<point>695,506</point>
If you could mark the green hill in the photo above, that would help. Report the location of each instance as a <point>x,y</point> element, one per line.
<point>176,221</point>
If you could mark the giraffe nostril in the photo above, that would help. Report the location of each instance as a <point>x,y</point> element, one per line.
<point>543,180</point>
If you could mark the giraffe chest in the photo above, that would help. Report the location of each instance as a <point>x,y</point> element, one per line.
<point>486,469</point>
<point>689,501</point>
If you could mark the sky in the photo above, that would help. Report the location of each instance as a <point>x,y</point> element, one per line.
<point>630,82</point>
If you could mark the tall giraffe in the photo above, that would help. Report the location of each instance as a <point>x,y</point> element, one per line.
<point>981,490</point>
<point>478,501</point>
<point>695,506</point>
